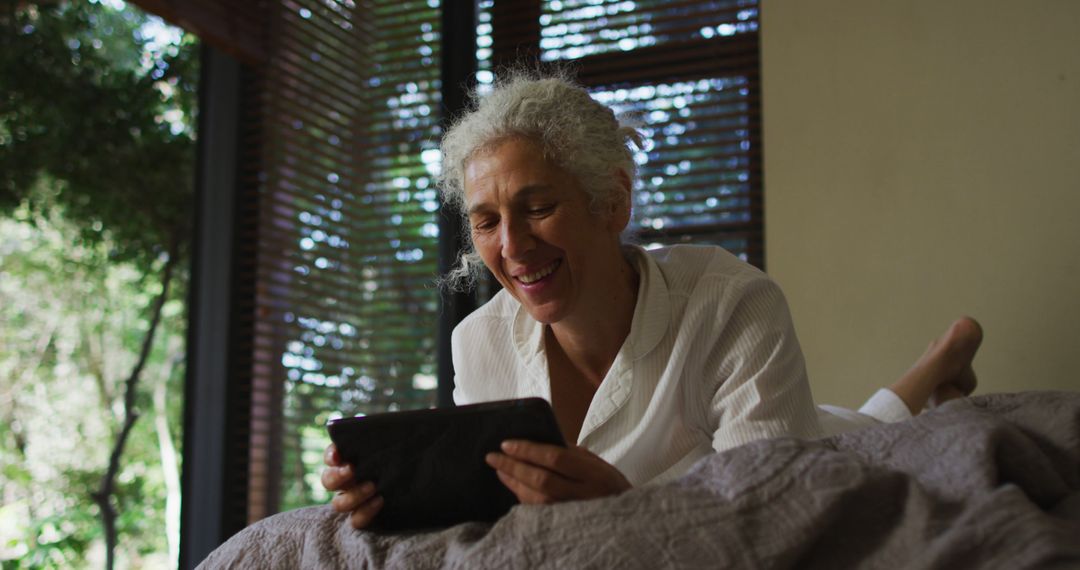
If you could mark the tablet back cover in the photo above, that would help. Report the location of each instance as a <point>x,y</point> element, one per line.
<point>428,465</point>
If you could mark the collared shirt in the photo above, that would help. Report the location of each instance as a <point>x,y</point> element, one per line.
<point>711,362</point>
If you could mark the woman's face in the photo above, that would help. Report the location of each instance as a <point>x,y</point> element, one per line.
<point>531,225</point>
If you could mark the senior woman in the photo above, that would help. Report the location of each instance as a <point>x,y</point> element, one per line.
<point>651,359</point>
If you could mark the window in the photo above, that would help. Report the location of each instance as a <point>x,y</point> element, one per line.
<point>689,72</point>
<point>345,310</point>
<point>335,311</point>
<point>349,235</point>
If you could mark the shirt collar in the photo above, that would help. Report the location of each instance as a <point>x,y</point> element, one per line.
<point>652,314</point>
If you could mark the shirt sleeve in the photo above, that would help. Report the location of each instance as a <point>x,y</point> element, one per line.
<point>886,407</point>
<point>760,388</point>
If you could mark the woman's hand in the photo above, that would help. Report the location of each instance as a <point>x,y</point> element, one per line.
<point>539,473</point>
<point>356,498</point>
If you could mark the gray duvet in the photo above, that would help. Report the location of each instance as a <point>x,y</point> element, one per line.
<point>988,482</point>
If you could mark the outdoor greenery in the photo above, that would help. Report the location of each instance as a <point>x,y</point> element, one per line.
<point>97,105</point>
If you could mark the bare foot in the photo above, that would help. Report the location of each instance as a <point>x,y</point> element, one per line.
<point>960,386</point>
<point>944,371</point>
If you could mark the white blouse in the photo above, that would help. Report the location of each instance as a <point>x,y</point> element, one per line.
<point>711,362</point>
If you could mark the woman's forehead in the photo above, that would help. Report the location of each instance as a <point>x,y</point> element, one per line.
<point>515,165</point>
<point>506,150</point>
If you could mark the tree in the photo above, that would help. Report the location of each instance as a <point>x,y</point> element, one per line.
<point>96,162</point>
<point>108,121</point>
<point>71,324</point>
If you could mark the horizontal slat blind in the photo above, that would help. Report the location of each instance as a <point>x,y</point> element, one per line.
<point>689,72</point>
<point>346,311</point>
<point>336,310</point>
<point>572,29</point>
<point>694,169</point>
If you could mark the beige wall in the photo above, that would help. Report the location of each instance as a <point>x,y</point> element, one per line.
<point>922,161</point>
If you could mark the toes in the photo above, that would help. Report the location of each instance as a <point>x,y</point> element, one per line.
<point>965,334</point>
<point>955,350</point>
<point>966,381</point>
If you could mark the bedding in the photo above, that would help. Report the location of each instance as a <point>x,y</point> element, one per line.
<point>989,481</point>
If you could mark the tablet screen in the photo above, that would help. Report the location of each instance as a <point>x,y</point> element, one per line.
<point>428,465</point>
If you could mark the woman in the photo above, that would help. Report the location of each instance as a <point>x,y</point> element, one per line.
<point>651,360</point>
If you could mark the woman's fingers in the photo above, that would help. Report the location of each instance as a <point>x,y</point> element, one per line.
<point>540,473</point>
<point>331,456</point>
<point>351,499</point>
<point>365,513</point>
<point>575,463</point>
<point>531,483</point>
<point>357,499</point>
<point>337,478</point>
<point>525,494</point>
<point>337,474</point>
<point>360,502</point>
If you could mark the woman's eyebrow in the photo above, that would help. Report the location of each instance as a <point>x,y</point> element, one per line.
<point>527,192</point>
<point>524,193</point>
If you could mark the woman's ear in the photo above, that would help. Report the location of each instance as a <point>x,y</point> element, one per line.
<point>621,205</point>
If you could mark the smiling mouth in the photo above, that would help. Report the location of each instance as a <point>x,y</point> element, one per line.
<point>536,276</point>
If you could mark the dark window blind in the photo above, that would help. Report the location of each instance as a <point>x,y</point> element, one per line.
<point>689,71</point>
<point>336,311</point>
<point>346,313</point>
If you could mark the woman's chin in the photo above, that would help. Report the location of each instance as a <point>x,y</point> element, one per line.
<point>547,312</point>
<point>545,315</point>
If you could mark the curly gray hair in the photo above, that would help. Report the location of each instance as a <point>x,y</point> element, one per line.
<point>574,131</point>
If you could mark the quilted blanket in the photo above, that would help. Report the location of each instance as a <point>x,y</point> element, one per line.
<point>990,481</point>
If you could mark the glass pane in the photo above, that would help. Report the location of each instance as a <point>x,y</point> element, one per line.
<point>358,197</point>
<point>571,29</point>
<point>97,173</point>
<point>694,169</point>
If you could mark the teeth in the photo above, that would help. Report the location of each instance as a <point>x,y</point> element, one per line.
<point>534,277</point>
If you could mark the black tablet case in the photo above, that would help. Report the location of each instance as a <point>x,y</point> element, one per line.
<point>428,465</point>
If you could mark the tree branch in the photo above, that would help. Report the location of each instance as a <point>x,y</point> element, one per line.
<point>95,358</point>
<point>170,465</point>
<point>103,496</point>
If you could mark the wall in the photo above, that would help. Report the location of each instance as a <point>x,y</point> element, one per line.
<point>922,161</point>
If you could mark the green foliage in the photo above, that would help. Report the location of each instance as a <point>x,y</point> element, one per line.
<point>70,323</point>
<point>88,101</point>
<point>96,175</point>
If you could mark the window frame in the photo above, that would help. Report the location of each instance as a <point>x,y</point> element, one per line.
<point>719,56</point>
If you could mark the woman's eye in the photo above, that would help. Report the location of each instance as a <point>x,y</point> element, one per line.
<point>483,226</point>
<point>541,210</point>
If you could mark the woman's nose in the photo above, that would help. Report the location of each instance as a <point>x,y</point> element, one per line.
<point>517,239</point>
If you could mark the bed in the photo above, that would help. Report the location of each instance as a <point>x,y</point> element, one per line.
<point>989,481</point>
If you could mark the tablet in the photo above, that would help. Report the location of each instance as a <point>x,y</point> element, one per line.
<point>428,465</point>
